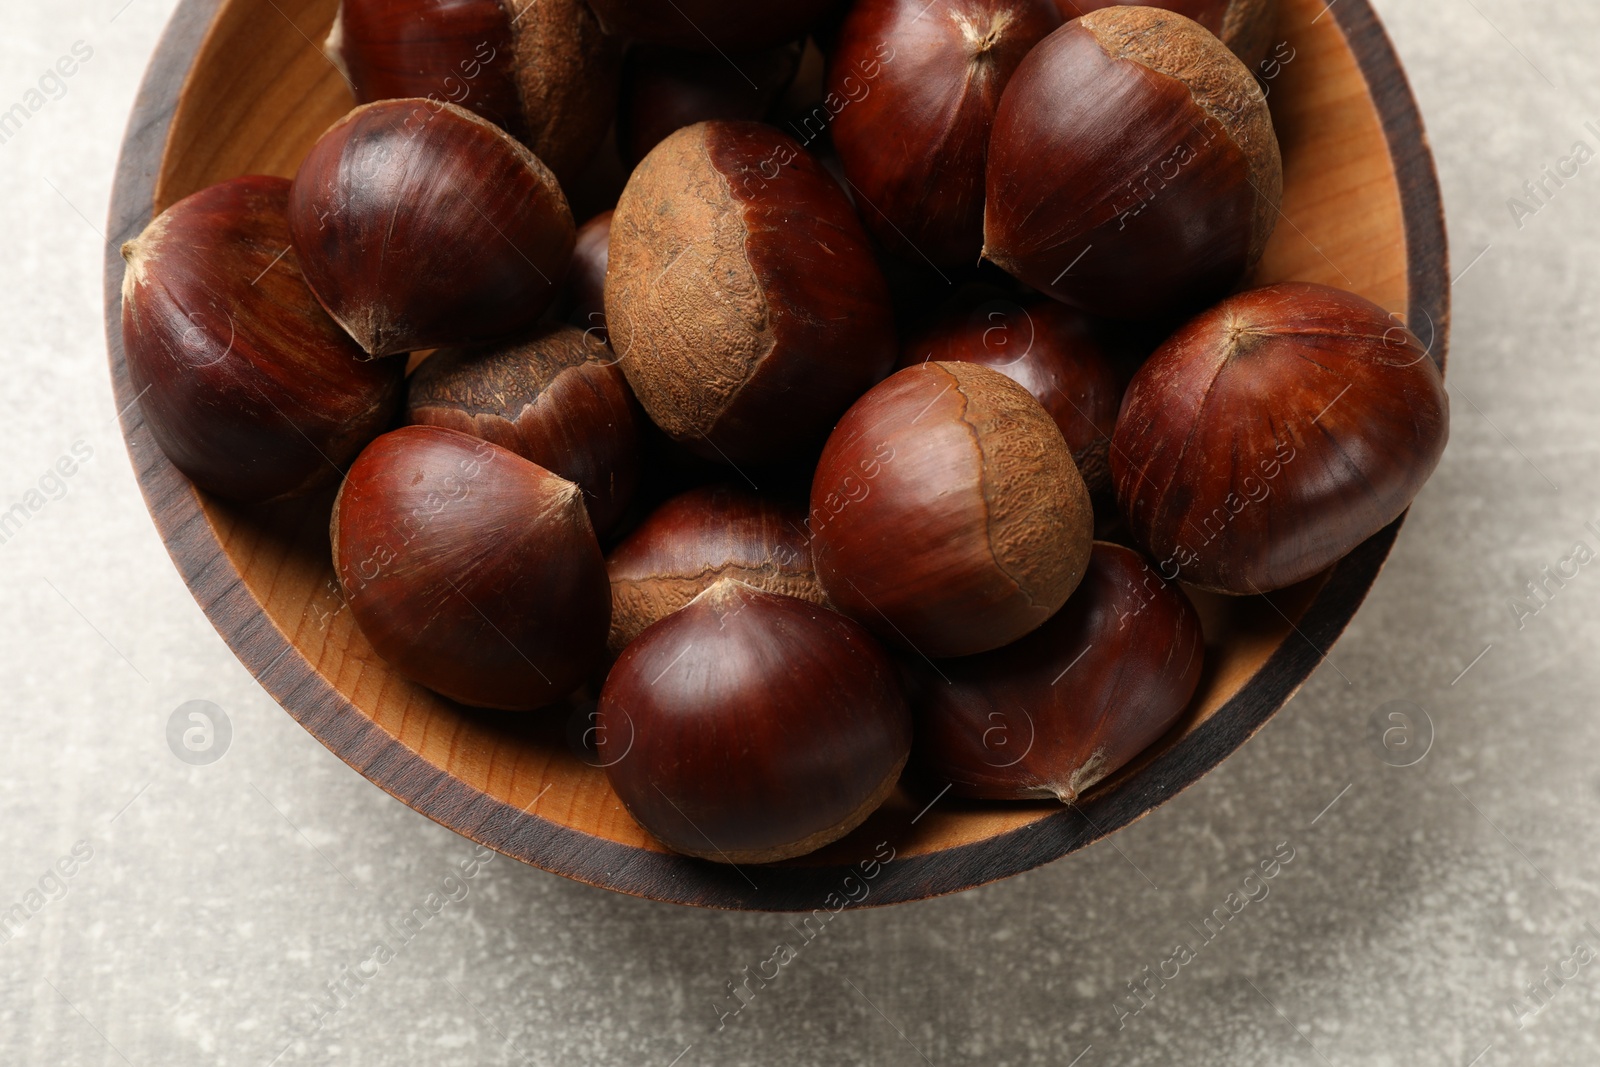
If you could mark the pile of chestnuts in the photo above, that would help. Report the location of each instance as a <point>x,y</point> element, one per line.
<point>793,456</point>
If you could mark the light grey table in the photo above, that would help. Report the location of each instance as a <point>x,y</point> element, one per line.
<point>225,913</point>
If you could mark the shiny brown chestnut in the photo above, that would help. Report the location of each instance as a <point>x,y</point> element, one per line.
<point>469,569</point>
<point>555,398</point>
<point>421,224</point>
<point>742,297</point>
<point>1133,170</point>
<point>543,71</point>
<point>918,88</point>
<point>710,25</point>
<point>1074,701</point>
<point>698,537</point>
<point>751,727</point>
<point>1273,434</point>
<point>248,386</point>
<point>666,89</point>
<point>1245,26</point>
<point>946,512</point>
<point>1048,349</point>
<point>586,281</point>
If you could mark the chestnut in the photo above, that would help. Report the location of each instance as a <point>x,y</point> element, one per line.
<point>1073,701</point>
<point>666,89</point>
<point>751,727</point>
<point>1133,170</point>
<point>586,283</point>
<point>421,224</point>
<point>1049,349</point>
<point>710,25</point>
<point>542,71</point>
<point>247,385</point>
<point>692,540</point>
<point>555,398</point>
<point>917,91</point>
<point>470,570</point>
<point>742,296</point>
<point>1245,26</point>
<point>946,512</point>
<point>1273,434</point>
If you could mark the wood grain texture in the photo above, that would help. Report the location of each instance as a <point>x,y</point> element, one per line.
<point>240,86</point>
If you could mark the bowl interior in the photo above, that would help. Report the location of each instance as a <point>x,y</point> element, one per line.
<point>258,91</point>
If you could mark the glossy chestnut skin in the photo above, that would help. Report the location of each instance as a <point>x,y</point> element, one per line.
<point>1273,434</point>
<point>542,71</point>
<point>248,386</point>
<point>555,398</point>
<point>1048,349</point>
<point>469,569</point>
<point>1245,26</point>
<point>420,225</point>
<point>698,537</point>
<point>710,25</point>
<point>586,281</point>
<point>742,296</point>
<point>920,88</point>
<point>666,89</point>
<point>1164,176</point>
<point>946,512</point>
<point>1074,701</point>
<point>751,727</point>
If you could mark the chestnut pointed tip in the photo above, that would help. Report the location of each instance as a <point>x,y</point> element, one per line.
<point>333,46</point>
<point>724,591</point>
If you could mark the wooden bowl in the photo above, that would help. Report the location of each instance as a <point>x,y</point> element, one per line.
<point>240,86</point>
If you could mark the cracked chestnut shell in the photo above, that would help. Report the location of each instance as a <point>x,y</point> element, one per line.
<point>710,25</point>
<point>248,386</point>
<point>751,727</point>
<point>1273,434</point>
<point>1046,348</point>
<point>742,297</point>
<point>946,512</point>
<point>1133,170</point>
<point>469,569</point>
<point>1245,26</point>
<point>698,537</point>
<point>917,88</point>
<point>540,69</point>
<point>555,398</point>
<point>1074,701</point>
<point>420,225</point>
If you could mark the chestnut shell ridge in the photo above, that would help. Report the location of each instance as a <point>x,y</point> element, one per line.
<point>1165,178</point>
<point>697,538</point>
<point>1245,26</point>
<point>1273,434</point>
<point>1045,347</point>
<point>742,297</point>
<point>751,727</point>
<point>248,386</point>
<point>555,398</point>
<point>421,224</point>
<point>540,69</point>
<point>470,570</point>
<point>946,512</point>
<point>1067,706</point>
<point>922,84</point>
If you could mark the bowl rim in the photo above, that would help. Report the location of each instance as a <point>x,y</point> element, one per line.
<point>291,680</point>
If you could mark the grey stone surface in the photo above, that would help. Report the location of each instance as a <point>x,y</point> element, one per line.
<point>219,901</point>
